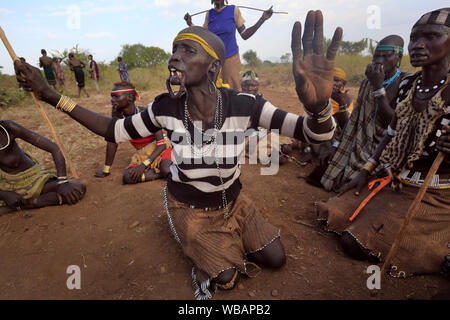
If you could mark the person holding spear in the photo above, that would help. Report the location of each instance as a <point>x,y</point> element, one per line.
<point>223,20</point>
<point>419,132</point>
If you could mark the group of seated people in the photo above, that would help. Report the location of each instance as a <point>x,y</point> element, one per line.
<point>391,132</point>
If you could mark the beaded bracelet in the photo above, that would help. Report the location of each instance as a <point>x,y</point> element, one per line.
<point>369,167</point>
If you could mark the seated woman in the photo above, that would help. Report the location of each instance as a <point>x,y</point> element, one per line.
<point>153,157</point>
<point>24,184</point>
<point>418,130</point>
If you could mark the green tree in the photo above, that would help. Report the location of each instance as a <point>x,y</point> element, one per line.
<point>353,48</point>
<point>140,56</point>
<point>285,58</point>
<point>79,53</point>
<point>251,58</point>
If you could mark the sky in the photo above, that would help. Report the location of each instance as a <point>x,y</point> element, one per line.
<point>103,26</point>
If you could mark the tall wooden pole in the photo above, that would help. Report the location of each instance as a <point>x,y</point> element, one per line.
<point>41,109</point>
<point>412,211</point>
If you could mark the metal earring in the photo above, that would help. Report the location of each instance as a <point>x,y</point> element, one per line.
<point>214,88</point>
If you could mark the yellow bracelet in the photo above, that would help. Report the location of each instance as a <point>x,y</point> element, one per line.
<point>369,166</point>
<point>107,169</point>
<point>146,162</point>
<point>66,104</point>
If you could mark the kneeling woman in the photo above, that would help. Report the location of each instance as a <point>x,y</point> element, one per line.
<point>419,129</point>
<point>218,227</point>
<point>24,184</point>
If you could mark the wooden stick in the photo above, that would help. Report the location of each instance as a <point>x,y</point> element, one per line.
<point>281,12</point>
<point>412,210</point>
<point>41,109</point>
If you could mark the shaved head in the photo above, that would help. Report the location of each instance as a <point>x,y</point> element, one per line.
<point>393,40</point>
<point>213,41</point>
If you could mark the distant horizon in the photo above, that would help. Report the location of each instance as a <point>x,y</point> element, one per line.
<point>103,26</point>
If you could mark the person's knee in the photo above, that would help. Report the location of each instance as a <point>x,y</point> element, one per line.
<point>80,186</point>
<point>351,247</point>
<point>126,178</point>
<point>276,258</point>
<point>165,168</point>
<point>272,256</point>
<point>227,278</point>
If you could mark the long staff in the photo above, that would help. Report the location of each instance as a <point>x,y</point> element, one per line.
<point>41,110</point>
<point>412,210</point>
<point>279,12</point>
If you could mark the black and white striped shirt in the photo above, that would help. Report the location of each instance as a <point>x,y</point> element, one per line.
<point>194,179</point>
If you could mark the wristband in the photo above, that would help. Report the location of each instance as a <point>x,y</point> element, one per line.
<point>379,93</point>
<point>369,167</point>
<point>161,142</point>
<point>62,181</point>
<point>146,162</point>
<point>106,169</point>
<point>62,178</point>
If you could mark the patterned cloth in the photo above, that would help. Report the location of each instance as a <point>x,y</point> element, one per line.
<point>123,72</point>
<point>415,132</point>
<point>28,183</point>
<point>215,244</point>
<point>359,140</point>
<point>50,76</point>
<point>95,73</point>
<point>426,242</point>
<point>59,72</point>
<point>145,152</point>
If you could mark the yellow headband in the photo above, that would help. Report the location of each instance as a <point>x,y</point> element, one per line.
<point>339,73</point>
<point>205,45</point>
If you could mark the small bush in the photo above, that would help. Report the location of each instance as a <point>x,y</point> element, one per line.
<point>11,96</point>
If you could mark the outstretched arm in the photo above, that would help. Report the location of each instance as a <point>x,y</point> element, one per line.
<point>41,142</point>
<point>247,33</point>
<point>114,130</point>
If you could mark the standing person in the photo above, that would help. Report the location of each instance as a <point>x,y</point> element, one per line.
<point>95,73</point>
<point>46,63</point>
<point>59,71</point>
<point>223,20</point>
<point>218,228</point>
<point>123,70</point>
<point>153,157</point>
<point>77,67</point>
<point>418,131</point>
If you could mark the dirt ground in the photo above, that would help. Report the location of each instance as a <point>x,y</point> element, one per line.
<point>119,236</point>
